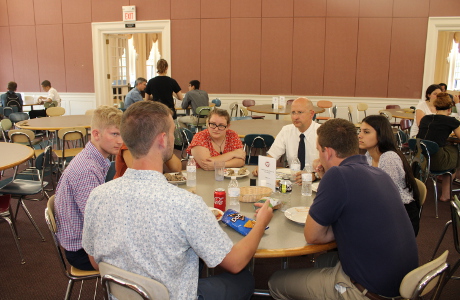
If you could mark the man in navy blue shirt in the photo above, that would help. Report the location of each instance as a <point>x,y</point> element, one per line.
<point>360,208</point>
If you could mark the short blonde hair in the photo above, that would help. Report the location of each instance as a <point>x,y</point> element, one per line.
<point>105,116</point>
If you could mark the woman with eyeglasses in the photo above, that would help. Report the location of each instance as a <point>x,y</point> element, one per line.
<point>217,143</point>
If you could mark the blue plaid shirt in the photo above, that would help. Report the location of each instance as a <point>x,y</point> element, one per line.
<point>85,172</point>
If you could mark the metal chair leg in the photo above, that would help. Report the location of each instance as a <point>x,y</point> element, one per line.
<point>15,236</point>
<point>68,292</point>
<point>31,219</point>
<point>441,238</point>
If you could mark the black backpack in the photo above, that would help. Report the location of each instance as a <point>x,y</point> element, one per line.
<point>12,99</point>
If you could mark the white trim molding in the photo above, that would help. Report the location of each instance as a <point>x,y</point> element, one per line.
<point>99,30</point>
<point>435,24</point>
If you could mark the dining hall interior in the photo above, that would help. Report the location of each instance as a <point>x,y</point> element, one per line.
<point>378,52</point>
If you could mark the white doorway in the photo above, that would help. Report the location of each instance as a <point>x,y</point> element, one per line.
<point>100,31</point>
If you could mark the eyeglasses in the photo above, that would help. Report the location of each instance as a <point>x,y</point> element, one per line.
<point>299,112</point>
<point>214,126</point>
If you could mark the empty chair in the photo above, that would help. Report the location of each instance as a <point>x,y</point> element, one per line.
<point>241,118</point>
<point>233,109</point>
<point>5,126</point>
<point>73,274</point>
<point>256,144</point>
<point>89,112</point>
<point>392,107</point>
<point>70,135</point>
<point>202,113</point>
<point>422,194</point>
<point>244,112</point>
<point>289,102</point>
<point>361,107</point>
<point>187,137</point>
<point>249,103</point>
<point>26,137</point>
<point>217,102</point>
<point>5,214</point>
<point>326,105</point>
<point>55,111</point>
<point>423,279</point>
<point>123,284</point>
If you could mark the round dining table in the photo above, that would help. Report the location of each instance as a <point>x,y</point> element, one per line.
<point>56,123</point>
<point>283,238</point>
<point>258,126</point>
<point>14,154</point>
<point>401,113</point>
<point>286,110</point>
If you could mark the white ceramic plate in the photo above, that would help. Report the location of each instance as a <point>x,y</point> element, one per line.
<point>217,213</point>
<point>281,172</point>
<point>236,173</point>
<point>297,214</point>
<point>180,181</point>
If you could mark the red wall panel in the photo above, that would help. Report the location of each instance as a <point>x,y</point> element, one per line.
<point>245,55</point>
<point>308,56</point>
<point>444,8</point>
<point>411,8</point>
<point>310,8</point>
<point>341,8</point>
<point>3,13</point>
<point>78,58</point>
<point>6,60</point>
<point>151,9</point>
<point>48,11</point>
<point>340,56</point>
<point>246,9</point>
<point>185,9</point>
<point>21,12</point>
<point>215,9</point>
<point>376,8</point>
<point>215,55</point>
<point>277,8</point>
<point>76,11</point>
<point>107,10</point>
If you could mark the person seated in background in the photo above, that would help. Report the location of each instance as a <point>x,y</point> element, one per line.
<point>52,97</point>
<point>377,138</point>
<point>444,90</point>
<point>437,128</point>
<point>124,160</point>
<point>425,107</point>
<point>86,171</point>
<point>302,130</point>
<point>134,95</point>
<point>11,98</point>
<point>359,207</point>
<point>169,228</point>
<point>217,143</point>
<point>195,98</point>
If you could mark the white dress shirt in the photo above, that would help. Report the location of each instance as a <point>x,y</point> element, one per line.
<point>287,141</point>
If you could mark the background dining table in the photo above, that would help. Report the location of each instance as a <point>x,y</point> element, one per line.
<point>13,154</point>
<point>401,113</point>
<point>258,126</point>
<point>285,110</point>
<point>56,123</point>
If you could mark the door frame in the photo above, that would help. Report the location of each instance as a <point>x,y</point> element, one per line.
<point>99,30</point>
<point>435,24</point>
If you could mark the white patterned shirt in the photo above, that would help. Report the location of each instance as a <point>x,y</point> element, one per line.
<point>391,163</point>
<point>141,223</point>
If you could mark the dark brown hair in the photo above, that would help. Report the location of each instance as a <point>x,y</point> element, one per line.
<point>340,135</point>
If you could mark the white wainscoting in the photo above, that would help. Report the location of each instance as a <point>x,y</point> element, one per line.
<point>79,103</point>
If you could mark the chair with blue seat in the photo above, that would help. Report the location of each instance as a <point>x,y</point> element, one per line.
<point>240,118</point>
<point>202,113</point>
<point>217,102</point>
<point>7,111</point>
<point>259,143</point>
<point>18,116</point>
<point>111,172</point>
<point>422,151</point>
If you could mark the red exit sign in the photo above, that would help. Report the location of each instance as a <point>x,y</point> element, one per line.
<point>129,13</point>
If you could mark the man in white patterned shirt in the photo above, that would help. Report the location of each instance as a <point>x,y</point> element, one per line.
<point>86,171</point>
<point>143,224</point>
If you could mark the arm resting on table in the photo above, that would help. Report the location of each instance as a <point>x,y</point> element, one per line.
<point>317,234</point>
<point>232,159</point>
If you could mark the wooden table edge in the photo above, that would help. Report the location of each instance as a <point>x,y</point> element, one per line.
<point>31,153</point>
<point>47,128</point>
<point>299,251</point>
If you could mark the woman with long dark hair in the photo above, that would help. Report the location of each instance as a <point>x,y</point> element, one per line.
<point>425,107</point>
<point>378,139</point>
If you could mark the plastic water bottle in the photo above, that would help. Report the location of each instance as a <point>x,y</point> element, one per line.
<point>233,193</point>
<point>307,179</point>
<point>295,167</point>
<point>191,172</point>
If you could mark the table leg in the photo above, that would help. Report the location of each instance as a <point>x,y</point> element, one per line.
<point>277,116</point>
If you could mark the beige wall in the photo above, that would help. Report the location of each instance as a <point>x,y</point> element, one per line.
<point>351,48</point>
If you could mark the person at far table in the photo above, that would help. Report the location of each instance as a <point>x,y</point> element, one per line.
<point>444,90</point>
<point>359,207</point>
<point>86,171</point>
<point>196,98</point>
<point>124,160</point>
<point>217,143</point>
<point>425,107</point>
<point>162,87</point>
<point>377,138</point>
<point>437,128</point>
<point>52,97</point>
<point>169,228</point>
<point>11,98</point>
<point>302,132</point>
<point>134,95</point>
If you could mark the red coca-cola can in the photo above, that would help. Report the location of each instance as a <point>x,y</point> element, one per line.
<point>220,199</point>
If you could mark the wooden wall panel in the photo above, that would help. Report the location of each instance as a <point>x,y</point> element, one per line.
<point>215,9</point>
<point>76,11</point>
<point>48,12</point>
<point>276,64</point>
<point>24,53</point>
<point>151,9</point>
<point>186,49</point>
<point>215,54</point>
<point>411,8</point>
<point>245,55</point>
<point>3,13</point>
<point>107,10</point>
<point>373,60</point>
<point>444,8</point>
<point>310,8</point>
<point>78,58</point>
<point>376,8</point>
<point>308,56</point>
<point>185,9</point>
<point>246,9</point>
<point>277,8</point>
<point>6,60</point>
<point>21,12</point>
<point>50,50</point>
<point>407,57</point>
<point>340,56</point>
<point>341,8</point>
